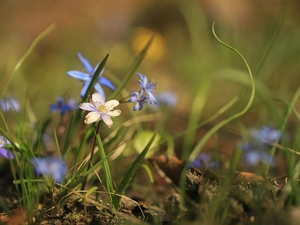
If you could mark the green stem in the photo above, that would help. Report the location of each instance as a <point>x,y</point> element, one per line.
<point>90,164</point>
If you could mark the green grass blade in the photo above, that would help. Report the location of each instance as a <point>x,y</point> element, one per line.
<point>287,114</point>
<point>148,171</point>
<point>108,178</point>
<point>132,69</point>
<point>29,51</point>
<point>130,174</point>
<point>213,130</point>
<point>206,137</point>
<point>95,78</point>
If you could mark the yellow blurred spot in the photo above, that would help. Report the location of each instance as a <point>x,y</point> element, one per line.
<point>141,36</point>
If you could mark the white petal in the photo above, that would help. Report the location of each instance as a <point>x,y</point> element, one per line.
<point>111,104</point>
<point>114,113</point>
<point>107,120</point>
<point>87,107</point>
<point>97,99</point>
<point>92,117</point>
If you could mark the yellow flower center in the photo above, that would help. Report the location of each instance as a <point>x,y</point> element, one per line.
<point>102,108</point>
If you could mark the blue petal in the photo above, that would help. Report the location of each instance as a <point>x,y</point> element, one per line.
<point>99,89</point>
<point>86,64</point>
<point>152,98</point>
<point>6,154</point>
<point>84,89</point>
<point>53,108</point>
<point>79,75</point>
<point>104,81</point>
<point>142,81</point>
<point>138,106</point>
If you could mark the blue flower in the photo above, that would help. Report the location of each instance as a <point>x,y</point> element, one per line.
<point>9,104</point>
<point>138,98</point>
<point>63,107</point>
<point>254,156</point>
<point>145,95</point>
<point>50,166</point>
<point>256,149</point>
<point>265,135</point>
<point>3,152</point>
<point>86,77</point>
<point>147,87</point>
<point>203,160</point>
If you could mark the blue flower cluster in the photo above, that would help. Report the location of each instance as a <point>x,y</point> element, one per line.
<point>256,149</point>
<point>144,95</point>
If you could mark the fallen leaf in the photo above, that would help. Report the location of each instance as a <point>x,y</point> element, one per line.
<point>18,217</point>
<point>168,167</point>
<point>242,177</point>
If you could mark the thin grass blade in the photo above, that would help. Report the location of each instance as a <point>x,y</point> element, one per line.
<point>130,174</point>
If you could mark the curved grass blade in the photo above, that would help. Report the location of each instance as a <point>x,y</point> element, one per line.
<point>199,146</point>
<point>213,130</point>
<point>130,174</point>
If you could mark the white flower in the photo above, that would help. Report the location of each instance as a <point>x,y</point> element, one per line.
<point>99,109</point>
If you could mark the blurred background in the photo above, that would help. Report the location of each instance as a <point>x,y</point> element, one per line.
<point>184,58</point>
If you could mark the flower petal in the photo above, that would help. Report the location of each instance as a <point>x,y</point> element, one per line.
<point>107,120</point>
<point>111,104</point>
<point>6,154</point>
<point>88,106</point>
<point>107,83</point>
<point>151,98</point>
<point>84,88</point>
<point>92,117</point>
<point>99,89</point>
<point>86,64</point>
<point>79,75</point>
<point>142,81</point>
<point>114,113</point>
<point>97,100</point>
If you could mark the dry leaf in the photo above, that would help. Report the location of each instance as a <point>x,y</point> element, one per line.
<point>18,217</point>
<point>168,167</point>
<point>242,177</point>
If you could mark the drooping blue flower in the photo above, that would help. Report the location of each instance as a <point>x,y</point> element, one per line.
<point>86,77</point>
<point>139,99</point>
<point>203,160</point>
<point>3,152</point>
<point>53,166</point>
<point>145,95</point>
<point>9,104</point>
<point>147,87</point>
<point>62,106</point>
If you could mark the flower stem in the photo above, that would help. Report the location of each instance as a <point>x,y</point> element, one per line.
<point>92,155</point>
